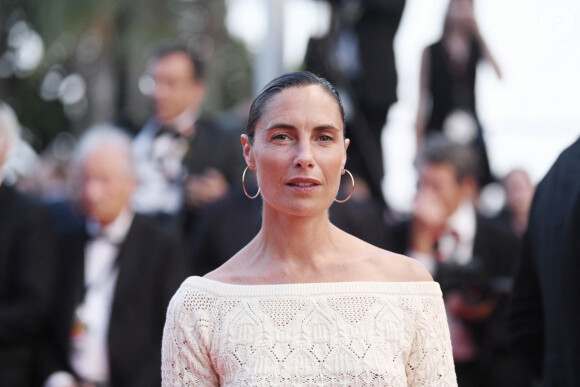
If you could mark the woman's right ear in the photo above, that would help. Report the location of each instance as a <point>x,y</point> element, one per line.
<point>247,150</point>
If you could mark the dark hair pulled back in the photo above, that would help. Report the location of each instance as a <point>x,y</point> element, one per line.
<point>295,79</point>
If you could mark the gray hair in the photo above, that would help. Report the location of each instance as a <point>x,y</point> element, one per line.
<point>104,136</point>
<point>438,149</point>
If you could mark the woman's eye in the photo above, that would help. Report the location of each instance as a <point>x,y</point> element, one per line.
<point>280,137</point>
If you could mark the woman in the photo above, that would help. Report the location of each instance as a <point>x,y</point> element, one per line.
<point>447,82</point>
<point>305,303</point>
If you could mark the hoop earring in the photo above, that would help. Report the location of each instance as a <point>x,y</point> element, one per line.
<point>244,185</point>
<point>351,190</point>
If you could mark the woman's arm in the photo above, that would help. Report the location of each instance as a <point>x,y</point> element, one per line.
<point>485,49</point>
<point>430,362</point>
<point>185,360</point>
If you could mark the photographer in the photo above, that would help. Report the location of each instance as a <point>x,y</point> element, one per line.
<point>468,255</point>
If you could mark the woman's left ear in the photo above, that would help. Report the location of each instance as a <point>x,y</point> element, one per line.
<point>346,145</point>
<point>247,150</point>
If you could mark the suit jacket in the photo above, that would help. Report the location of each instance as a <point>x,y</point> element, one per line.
<point>27,267</point>
<point>213,145</point>
<point>543,314</point>
<point>151,268</point>
<point>225,227</point>
<point>217,146</point>
<point>495,247</point>
<point>494,254</point>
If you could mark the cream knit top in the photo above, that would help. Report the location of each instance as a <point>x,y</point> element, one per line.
<point>315,334</point>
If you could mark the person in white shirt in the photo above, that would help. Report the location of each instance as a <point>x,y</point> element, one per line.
<point>118,274</point>
<point>305,303</point>
<point>184,160</point>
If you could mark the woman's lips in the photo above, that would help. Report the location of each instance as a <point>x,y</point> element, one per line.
<point>303,184</point>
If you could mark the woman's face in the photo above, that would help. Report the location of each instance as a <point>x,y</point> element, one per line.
<point>460,13</point>
<point>298,151</point>
<point>106,185</point>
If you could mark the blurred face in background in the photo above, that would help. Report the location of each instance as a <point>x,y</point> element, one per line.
<point>440,181</point>
<point>9,132</point>
<point>519,191</point>
<point>106,183</point>
<point>460,15</point>
<point>3,150</point>
<point>176,87</point>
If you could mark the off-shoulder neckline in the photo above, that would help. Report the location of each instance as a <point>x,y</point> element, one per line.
<point>427,288</point>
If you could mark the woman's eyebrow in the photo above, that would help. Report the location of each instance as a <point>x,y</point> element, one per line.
<point>289,126</point>
<point>280,125</point>
<point>317,129</point>
<point>326,127</point>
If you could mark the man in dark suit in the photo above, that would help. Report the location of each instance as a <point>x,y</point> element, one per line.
<point>543,316</point>
<point>184,161</point>
<point>118,274</point>
<point>27,266</point>
<point>469,256</point>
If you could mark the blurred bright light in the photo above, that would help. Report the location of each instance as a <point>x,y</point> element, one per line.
<point>146,84</point>
<point>27,46</point>
<point>49,88</point>
<point>72,89</point>
<point>302,19</point>
<point>248,20</point>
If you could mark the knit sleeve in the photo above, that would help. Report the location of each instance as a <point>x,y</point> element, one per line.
<point>430,362</point>
<point>186,336</point>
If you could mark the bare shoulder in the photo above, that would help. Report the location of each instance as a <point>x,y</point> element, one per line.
<point>397,267</point>
<point>233,271</point>
<point>224,273</point>
<point>372,263</point>
<point>216,275</point>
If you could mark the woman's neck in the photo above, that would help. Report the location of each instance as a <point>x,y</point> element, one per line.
<point>286,242</point>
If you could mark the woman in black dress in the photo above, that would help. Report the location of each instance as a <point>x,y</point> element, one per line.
<point>447,84</point>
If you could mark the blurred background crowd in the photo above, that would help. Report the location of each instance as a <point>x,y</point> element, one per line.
<point>122,165</point>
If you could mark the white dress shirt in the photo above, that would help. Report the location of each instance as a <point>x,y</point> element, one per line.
<point>463,224</point>
<point>159,165</point>
<point>455,245</point>
<point>89,355</point>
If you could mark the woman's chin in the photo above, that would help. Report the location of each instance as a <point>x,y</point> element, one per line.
<point>300,207</point>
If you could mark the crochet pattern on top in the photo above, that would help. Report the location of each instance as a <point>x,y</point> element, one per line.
<point>327,334</point>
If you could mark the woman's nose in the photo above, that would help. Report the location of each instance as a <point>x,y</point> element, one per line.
<point>304,157</point>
